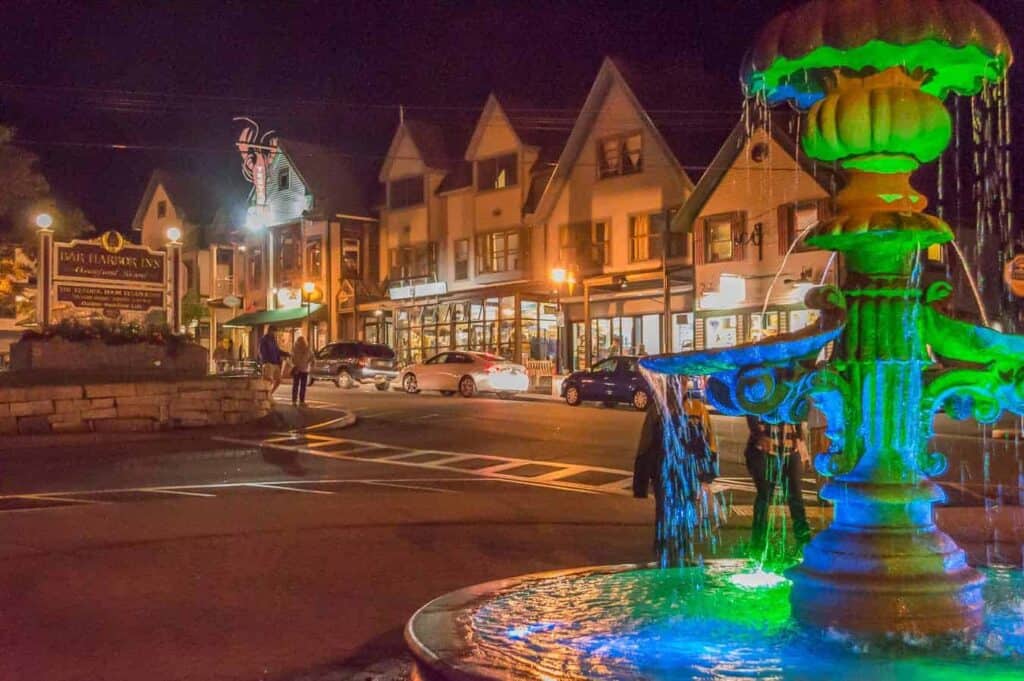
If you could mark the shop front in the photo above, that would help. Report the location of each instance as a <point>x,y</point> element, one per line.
<point>519,327</point>
<point>727,328</point>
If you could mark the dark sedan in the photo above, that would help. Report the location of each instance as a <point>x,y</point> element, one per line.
<point>611,381</point>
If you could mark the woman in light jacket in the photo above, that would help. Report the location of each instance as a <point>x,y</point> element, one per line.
<point>301,358</point>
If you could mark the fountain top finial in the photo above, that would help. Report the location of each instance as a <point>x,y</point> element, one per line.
<point>955,44</point>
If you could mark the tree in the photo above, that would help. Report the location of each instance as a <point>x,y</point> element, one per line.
<point>24,192</point>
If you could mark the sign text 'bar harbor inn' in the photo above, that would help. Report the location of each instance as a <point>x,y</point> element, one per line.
<point>106,275</point>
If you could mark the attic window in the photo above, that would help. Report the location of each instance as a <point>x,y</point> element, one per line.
<point>497,173</point>
<point>759,152</point>
<point>405,192</point>
<point>161,209</point>
<point>620,155</point>
<point>283,180</point>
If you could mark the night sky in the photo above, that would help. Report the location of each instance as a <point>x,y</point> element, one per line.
<point>76,78</point>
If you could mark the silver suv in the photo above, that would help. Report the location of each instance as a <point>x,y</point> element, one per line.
<point>348,363</point>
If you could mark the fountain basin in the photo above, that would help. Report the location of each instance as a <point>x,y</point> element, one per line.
<point>631,622</point>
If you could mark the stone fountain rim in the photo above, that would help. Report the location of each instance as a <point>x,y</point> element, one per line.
<point>439,647</point>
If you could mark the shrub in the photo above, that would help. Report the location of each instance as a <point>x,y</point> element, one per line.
<point>111,333</point>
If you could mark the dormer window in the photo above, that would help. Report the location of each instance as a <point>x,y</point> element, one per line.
<point>405,192</point>
<point>620,155</point>
<point>497,173</point>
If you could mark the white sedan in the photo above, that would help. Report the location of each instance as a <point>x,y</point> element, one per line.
<point>466,373</point>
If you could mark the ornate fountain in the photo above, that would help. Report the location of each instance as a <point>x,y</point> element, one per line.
<point>882,362</point>
<point>873,74</point>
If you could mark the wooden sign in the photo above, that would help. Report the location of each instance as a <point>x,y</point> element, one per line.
<point>109,259</point>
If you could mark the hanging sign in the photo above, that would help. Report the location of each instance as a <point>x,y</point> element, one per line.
<point>1013,275</point>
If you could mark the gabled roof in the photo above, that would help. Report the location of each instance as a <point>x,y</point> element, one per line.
<point>340,182</point>
<point>439,148</point>
<point>608,76</point>
<point>491,107</point>
<point>195,198</point>
<point>825,175</point>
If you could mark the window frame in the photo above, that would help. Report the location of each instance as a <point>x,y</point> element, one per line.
<point>456,261</point>
<point>496,161</point>
<point>488,255</point>
<point>788,227</point>
<point>407,182</point>
<point>736,220</point>
<point>422,253</point>
<point>605,170</point>
<point>284,179</point>
<point>161,209</point>
<point>314,253</point>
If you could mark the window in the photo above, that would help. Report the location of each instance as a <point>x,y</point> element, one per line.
<point>497,173</point>
<point>256,268</point>
<point>646,233</point>
<point>289,249</point>
<point>461,259</point>
<point>412,262</point>
<point>608,366</point>
<point>406,192</point>
<point>720,332</point>
<point>584,243</point>
<point>500,251</point>
<point>640,238</point>
<point>283,180</point>
<point>350,257</point>
<point>720,230</point>
<point>161,209</point>
<point>794,220</point>
<point>314,257</point>
<point>620,155</point>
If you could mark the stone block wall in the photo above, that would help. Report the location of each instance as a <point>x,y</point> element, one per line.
<point>132,407</point>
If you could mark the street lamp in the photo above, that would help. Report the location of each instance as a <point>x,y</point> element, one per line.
<point>173,234</point>
<point>44,278</point>
<point>174,317</point>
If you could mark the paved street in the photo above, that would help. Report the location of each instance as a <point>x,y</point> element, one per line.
<point>296,551</point>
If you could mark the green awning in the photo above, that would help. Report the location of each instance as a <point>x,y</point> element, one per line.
<point>273,317</point>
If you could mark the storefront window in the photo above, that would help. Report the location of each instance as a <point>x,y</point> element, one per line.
<point>764,326</point>
<point>799,319</point>
<point>639,335</point>
<point>720,332</point>
<point>682,332</point>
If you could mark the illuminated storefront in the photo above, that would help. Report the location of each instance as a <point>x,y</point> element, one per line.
<point>512,326</point>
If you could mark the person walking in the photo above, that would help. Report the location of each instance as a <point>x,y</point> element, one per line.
<point>686,480</point>
<point>301,359</point>
<point>271,357</point>
<point>775,455</point>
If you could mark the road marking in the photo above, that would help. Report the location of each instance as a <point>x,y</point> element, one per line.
<point>176,492</point>
<point>377,483</point>
<point>287,488</point>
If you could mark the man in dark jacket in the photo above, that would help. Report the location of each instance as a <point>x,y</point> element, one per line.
<point>775,456</point>
<point>271,357</point>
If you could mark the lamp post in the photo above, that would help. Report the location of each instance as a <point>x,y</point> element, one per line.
<point>174,283</point>
<point>307,294</point>
<point>560,275</point>
<point>44,275</point>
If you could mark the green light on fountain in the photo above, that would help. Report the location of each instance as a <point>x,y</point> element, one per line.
<point>963,71</point>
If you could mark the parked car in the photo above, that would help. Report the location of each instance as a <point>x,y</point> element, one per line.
<point>466,373</point>
<point>611,381</point>
<point>349,363</point>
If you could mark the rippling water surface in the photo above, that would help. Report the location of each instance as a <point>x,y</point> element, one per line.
<point>694,623</point>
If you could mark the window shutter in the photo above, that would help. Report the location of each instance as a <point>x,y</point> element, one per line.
<point>739,228</point>
<point>825,209</point>
<point>786,231</point>
<point>700,229</point>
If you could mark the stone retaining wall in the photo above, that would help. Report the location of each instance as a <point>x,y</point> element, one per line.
<point>124,407</point>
